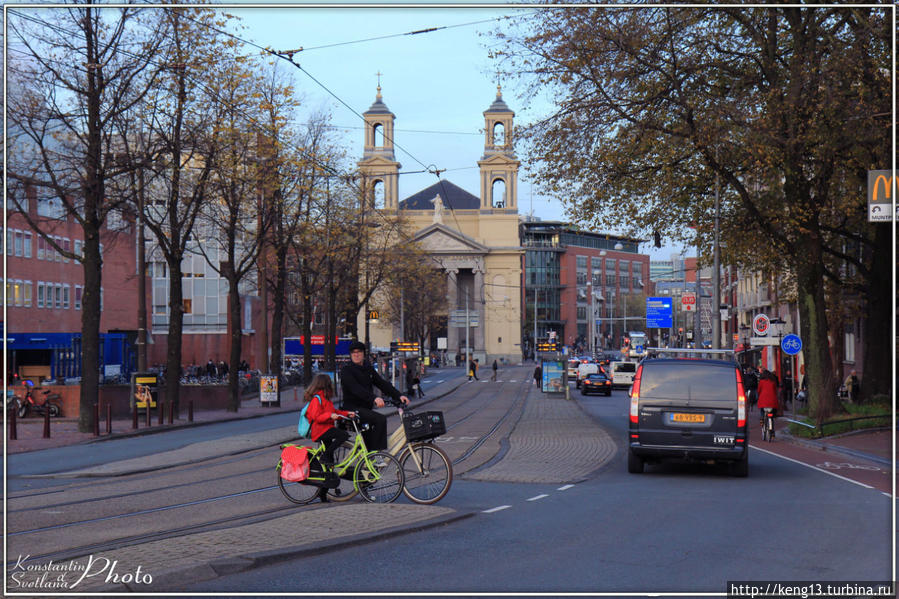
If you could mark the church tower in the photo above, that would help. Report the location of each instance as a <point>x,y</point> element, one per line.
<point>499,166</point>
<point>378,164</point>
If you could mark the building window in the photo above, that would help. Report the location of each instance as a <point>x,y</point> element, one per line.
<point>582,262</point>
<point>28,244</point>
<point>18,292</point>
<point>582,312</point>
<point>65,296</point>
<point>40,247</point>
<point>27,291</point>
<point>850,347</point>
<point>10,241</point>
<point>40,294</point>
<point>19,243</point>
<point>79,248</point>
<point>67,246</point>
<point>78,291</point>
<point>57,292</point>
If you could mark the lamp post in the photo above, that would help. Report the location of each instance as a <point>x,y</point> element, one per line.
<point>591,324</point>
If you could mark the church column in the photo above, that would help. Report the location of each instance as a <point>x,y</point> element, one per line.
<point>452,294</point>
<point>481,305</point>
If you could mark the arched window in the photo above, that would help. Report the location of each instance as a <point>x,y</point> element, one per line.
<point>377,135</point>
<point>499,134</point>
<point>498,194</point>
<point>378,193</point>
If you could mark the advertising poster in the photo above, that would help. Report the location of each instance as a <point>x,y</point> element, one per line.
<point>553,373</point>
<point>268,389</point>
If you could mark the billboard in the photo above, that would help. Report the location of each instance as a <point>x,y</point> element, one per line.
<point>293,346</point>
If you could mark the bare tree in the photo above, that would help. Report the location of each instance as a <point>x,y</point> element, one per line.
<point>74,73</point>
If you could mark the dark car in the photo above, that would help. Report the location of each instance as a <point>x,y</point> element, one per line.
<point>596,382</point>
<point>688,409</point>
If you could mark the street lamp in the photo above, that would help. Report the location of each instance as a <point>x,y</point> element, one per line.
<point>591,324</point>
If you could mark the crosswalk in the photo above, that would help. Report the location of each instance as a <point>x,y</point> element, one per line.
<point>438,381</point>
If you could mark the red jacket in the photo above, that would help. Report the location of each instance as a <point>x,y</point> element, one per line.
<point>767,393</point>
<point>319,415</point>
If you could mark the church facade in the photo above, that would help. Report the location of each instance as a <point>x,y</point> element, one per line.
<point>473,239</point>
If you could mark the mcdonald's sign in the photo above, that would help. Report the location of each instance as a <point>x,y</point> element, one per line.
<point>882,187</point>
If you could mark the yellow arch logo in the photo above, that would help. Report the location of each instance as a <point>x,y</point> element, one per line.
<point>879,183</point>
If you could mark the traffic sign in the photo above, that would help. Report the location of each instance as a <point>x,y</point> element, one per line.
<point>688,302</point>
<point>791,344</point>
<point>658,312</point>
<point>760,324</point>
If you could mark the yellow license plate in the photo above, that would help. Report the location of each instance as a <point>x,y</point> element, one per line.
<point>688,418</point>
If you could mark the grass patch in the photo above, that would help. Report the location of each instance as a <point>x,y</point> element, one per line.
<point>856,417</point>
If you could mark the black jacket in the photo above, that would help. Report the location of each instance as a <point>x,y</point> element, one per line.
<point>357,381</point>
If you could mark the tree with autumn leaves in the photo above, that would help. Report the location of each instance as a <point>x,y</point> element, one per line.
<point>786,106</point>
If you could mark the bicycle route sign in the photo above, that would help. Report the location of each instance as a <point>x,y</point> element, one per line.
<point>791,344</point>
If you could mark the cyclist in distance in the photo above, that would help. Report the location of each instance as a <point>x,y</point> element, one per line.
<point>767,391</point>
<point>357,378</point>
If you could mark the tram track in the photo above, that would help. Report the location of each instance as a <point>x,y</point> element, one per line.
<point>478,400</point>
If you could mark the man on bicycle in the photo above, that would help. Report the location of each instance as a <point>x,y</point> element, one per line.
<point>767,390</point>
<point>357,379</point>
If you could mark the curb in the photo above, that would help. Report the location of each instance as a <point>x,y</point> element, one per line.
<point>216,568</point>
<point>824,446</point>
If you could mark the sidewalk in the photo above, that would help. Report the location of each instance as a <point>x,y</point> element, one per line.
<point>64,431</point>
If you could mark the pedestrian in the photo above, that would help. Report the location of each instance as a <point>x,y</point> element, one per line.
<point>538,375</point>
<point>473,370</point>
<point>322,416</point>
<point>416,386</point>
<point>495,367</point>
<point>410,382</point>
<point>852,386</point>
<point>751,383</point>
<point>357,378</point>
<point>210,368</point>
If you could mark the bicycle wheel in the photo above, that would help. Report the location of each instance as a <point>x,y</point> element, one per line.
<point>432,482</point>
<point>379,477</point>
<point>346,490</point>
<point>301,493</point>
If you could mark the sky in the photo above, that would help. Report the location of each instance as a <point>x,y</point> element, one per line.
<point>437,83</point>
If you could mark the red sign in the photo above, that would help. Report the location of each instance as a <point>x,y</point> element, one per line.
<point>760,324</point>
<point>688,302</point>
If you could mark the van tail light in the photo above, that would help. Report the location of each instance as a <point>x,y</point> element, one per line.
<point>741,401</point>
<point>635,396</point>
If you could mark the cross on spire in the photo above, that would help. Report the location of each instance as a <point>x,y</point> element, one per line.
<point>379,73</point>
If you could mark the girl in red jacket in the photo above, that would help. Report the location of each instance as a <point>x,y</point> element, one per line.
<point>767,392</point>
<point>322,415</point>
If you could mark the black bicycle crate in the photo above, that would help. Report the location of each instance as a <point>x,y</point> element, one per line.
<point>424,425</point>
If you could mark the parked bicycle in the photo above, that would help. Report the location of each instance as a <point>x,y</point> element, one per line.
<point>427,470</point>
<point>376,475</point>
<point>28,404</point>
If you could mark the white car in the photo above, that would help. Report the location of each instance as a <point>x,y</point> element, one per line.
<point>622,373</point>
<point>583,370</point>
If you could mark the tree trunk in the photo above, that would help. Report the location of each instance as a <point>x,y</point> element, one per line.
<point>90,331</point>
<point>278,314</point>
<point>813,319</point>
<point>236,345</point>
<point>176,325</point>
<point>877,371</point>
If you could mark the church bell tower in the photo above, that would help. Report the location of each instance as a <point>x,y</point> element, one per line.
<point>499,165</point>
<point>378,164</point>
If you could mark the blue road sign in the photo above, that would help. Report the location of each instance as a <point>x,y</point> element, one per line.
<point>658,312</point>
<point>791,344</point>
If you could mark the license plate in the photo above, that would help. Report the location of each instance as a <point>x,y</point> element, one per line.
<point>724,440</point>
<point>691,418</point>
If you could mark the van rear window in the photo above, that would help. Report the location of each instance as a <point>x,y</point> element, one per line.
<point>626,367</point>
<point>672,379</point>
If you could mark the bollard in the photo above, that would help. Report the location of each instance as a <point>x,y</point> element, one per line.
<point>108,418</point>
<point>134,415</point>
<point>97,419</point>
<point>171,411</point>
<point>12,423</point>
<point>161,409</point>
<point>149,416</point>
<point>190,410</point>
<point>47,423</point>
<point>296,397</point>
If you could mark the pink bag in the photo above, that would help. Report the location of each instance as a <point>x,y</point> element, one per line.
<point>294,463</point>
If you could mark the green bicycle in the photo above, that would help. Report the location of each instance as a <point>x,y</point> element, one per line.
<point>377,476</point>
<point>427,470</point>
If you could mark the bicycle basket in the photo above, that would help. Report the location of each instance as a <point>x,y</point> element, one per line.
<point>425,425</point>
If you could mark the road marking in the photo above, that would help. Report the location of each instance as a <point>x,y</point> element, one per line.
<point>541,496</point>
<point>565,488</point>
<point>847,465</point>
<point>855,482</point>
<point>497,509</point>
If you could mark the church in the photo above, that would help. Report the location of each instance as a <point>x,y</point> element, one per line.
<point>474,239</point>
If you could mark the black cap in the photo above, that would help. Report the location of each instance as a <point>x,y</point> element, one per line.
<point>357,345</point>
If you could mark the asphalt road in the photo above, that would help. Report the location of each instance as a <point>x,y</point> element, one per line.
<point>677,528</point>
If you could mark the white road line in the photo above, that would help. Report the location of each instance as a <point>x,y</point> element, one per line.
<point>855,482</point>
<point>497,509</point>
<point>565,488</point>
<point>541,496</point>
